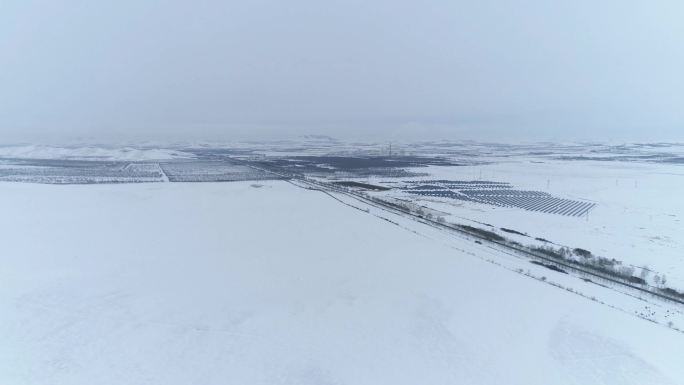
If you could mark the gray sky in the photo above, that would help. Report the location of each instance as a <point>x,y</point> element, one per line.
<point>487,69</point>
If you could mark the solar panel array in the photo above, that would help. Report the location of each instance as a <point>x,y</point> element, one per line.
<point>499,194</point>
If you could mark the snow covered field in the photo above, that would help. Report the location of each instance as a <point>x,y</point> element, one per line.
<point>238,283</point>
<point>90,153</point>
<point>638,217</point>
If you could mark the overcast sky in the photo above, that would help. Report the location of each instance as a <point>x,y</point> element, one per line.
<point>492,69</point>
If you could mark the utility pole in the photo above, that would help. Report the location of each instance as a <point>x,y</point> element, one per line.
<point>390,149</point>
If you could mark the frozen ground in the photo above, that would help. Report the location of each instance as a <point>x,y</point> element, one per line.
<point>101,153</point>
<point>638,217</point>
<point>239,283</point>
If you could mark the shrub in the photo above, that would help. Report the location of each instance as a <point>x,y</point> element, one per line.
<point>489,235</point>
<point>549,252</point>
<point>637,280</point>
<point>582,252</point>
<point>513,231</point>
<point>672,292</point>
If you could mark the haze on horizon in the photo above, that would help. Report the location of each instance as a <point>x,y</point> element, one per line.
<point>490,70</point>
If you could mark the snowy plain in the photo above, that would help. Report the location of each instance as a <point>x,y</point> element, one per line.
<point>89,153</point>
<point>638,217</point>
<point>268,283</point>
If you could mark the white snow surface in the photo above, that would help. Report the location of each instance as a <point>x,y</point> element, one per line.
<point>231,284</point>
<point>637,218</point>
<point>90,153</point>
